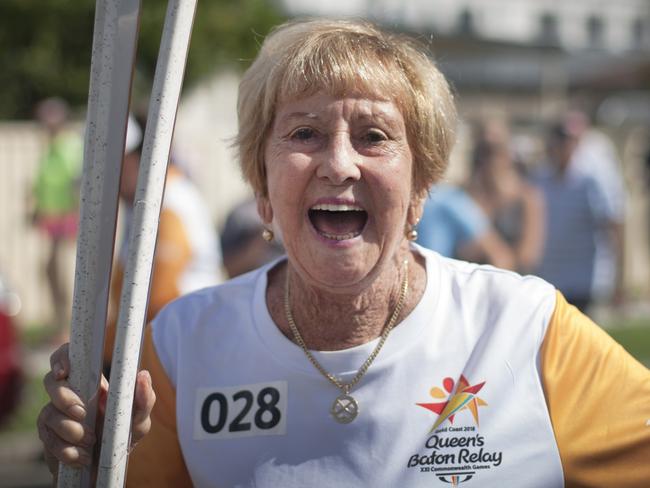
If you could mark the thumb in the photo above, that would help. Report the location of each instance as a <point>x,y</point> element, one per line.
<point>102,396</point>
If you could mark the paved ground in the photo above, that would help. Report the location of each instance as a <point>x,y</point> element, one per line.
<point>21,464</point>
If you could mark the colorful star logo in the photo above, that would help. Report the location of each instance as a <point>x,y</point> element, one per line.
<point>463,397</point>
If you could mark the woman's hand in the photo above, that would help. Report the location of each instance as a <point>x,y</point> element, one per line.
<point>60,424</point>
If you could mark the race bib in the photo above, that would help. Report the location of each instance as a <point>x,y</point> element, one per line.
<point>240,411</point>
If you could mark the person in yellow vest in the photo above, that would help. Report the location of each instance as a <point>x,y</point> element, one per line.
<point>188,255</point>
<point>56,199</point>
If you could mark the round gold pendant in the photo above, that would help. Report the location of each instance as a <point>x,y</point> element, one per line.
<point>344,409</point>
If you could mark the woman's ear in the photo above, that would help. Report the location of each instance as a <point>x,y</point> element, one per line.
<point>264,209</point>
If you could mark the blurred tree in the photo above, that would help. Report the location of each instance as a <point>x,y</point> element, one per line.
<point>45,46</point>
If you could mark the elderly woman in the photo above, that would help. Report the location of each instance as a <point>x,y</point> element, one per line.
<point>362,359</point>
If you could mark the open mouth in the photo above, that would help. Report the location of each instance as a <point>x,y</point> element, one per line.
<point>338,222</point>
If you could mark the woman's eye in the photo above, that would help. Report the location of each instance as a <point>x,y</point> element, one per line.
<point>374,136</point>
<point>303,134</point>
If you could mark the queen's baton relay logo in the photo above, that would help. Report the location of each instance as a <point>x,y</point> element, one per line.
<point>454,450</point>
<point>465,398</point>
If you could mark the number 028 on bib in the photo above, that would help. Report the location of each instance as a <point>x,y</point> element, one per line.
<point>240,411</point>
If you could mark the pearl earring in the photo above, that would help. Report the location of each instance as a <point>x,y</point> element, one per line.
<point>267,235</point>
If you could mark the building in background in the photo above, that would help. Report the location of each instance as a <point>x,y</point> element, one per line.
<point>538,53</point>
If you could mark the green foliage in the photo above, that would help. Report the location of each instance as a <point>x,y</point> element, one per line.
<point>32,399</point>
<point>634,336</point>
<point>45,46</point>
<point>44,50</point>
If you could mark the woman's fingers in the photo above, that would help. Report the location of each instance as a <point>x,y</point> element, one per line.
<point>144,400</point>
<point>65,428</point>
<point>57,387</point>
<point>44,435</point>
<point>102,398</point>
<point>63,397</point>
<point>60,426</point>
<point>60,362</point>
<point>50,423</point>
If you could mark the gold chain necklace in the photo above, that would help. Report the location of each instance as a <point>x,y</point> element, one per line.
<point>345,408</point>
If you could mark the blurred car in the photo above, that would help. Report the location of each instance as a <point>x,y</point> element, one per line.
<point>10,365</point>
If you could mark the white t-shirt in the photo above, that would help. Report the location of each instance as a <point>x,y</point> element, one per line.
<point>252,411</point>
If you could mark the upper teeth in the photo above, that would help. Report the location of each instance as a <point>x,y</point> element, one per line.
<point>340,207</point>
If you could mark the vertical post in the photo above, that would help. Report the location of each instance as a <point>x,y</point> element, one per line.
<point>113,51</point>
<point>148,199</point>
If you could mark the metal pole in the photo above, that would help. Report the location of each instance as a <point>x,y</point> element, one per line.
<point>113,51</point>
<point>148,199</point>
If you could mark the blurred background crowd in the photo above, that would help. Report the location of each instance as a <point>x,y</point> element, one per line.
<point>550,174</point>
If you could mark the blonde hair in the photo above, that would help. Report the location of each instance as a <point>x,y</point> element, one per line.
<point>342,57</point>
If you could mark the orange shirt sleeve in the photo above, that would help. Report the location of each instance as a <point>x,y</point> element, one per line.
<point>599,401</point>
<point>157,460</point>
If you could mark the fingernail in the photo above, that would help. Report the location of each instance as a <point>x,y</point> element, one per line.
<point>58,369</point>
<point>77,411</point>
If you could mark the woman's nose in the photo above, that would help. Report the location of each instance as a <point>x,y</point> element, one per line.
<point>340,162</point>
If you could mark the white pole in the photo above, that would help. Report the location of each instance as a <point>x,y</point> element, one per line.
<point>113,51</point>
<point>151,181</point>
